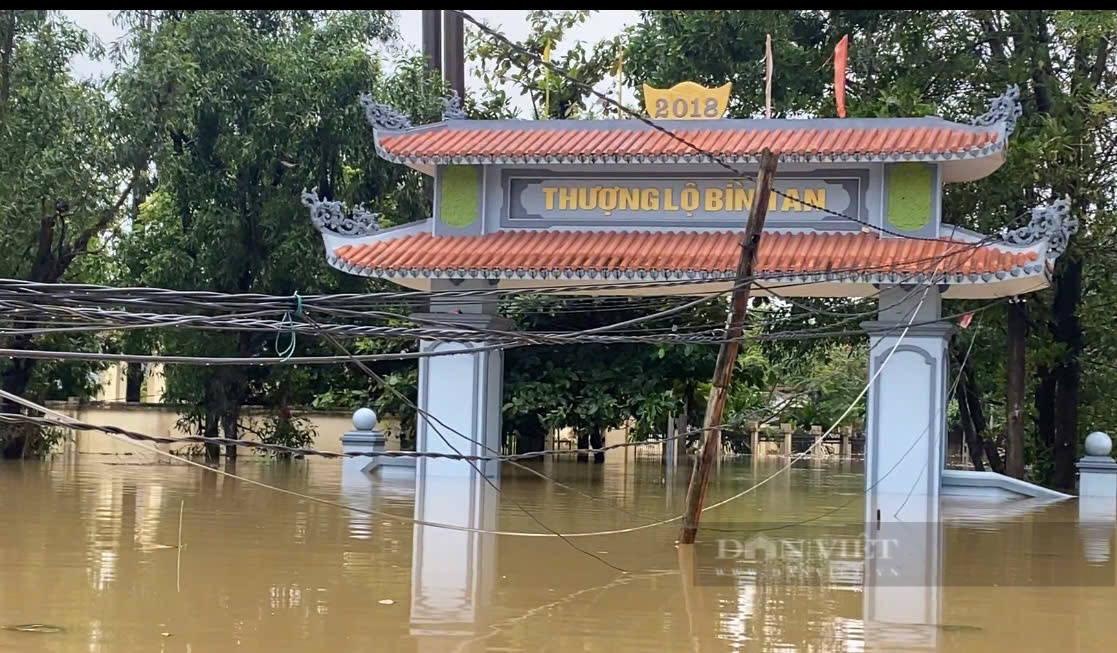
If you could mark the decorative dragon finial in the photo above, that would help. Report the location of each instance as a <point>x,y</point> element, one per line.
<point>382,116</point>
<point>1004,108</point>
<point>332,216</point>
<point>1051,222</point>
<point>452,106</point>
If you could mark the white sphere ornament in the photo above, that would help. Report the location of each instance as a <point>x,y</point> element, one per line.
<point>364,419</point>
<point>1098,444</point>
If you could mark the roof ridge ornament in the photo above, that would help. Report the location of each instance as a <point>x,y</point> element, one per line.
<point>452,106</point>
<point>1051,222</point>
<point>1003,108</point>
<point>332,217</point>
<point>383,116</point>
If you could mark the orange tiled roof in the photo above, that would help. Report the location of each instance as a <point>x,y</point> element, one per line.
<point>669,254</point>
<point>632,141</point>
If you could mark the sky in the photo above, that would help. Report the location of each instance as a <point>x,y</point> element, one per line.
<point>512,23</point>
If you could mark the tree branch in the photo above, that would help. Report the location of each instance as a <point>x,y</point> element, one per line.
<point>1101,54</point>
<point>81,243</point>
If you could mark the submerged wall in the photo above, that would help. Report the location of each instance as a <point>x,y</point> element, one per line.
<point>161,419</point>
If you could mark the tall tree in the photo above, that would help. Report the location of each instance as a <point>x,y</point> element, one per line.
<point>75,153</point>
<point>271,108</point>
<point>949,62</point>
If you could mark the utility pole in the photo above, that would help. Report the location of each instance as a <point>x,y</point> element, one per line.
<point>727,354</point>
<point>453,48</point>
<point>432,39</point>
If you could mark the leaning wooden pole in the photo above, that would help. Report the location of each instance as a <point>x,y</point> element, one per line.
<point>723,370</point>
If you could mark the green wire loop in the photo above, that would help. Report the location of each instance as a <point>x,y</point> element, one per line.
<point>287,351</point>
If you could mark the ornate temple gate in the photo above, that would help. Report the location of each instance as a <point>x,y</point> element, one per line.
<point>622,207</point>
<point>617,207</point>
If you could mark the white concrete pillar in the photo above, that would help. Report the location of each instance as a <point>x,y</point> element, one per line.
<point>365,438</point>
<point>1097,499</point>
<point>460,396</point>
<point>452,572</point>
<point>1097,472</point>
<point>906,421</point>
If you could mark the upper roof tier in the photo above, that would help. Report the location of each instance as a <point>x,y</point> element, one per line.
<point>965,152</point>
<point>855,204</point>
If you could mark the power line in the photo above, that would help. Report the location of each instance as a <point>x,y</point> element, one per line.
<point>251,321</point>
<point>37,293</point>
<point>29,404</point>
<point>891,469</point>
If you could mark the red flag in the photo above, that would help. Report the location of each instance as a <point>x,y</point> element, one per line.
<point>965,320</point>
<point>840,74</point>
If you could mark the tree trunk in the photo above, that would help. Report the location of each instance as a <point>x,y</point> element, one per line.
<point>1014,388</point>
<point>1068,331</point>
<point>212,407</point>
<point>229,426</point>
<point>583,443</point>
<point>993,455</point>
<point>209,430</point>
<point>974,425</point>
<point>1045,406</point>
<point>531,435</point>
<point>7,45</point>
<point>979,423</point>
<point>597,440</point>
<point>135,377</point>
<point>15,438</point>
<point>973,440</point>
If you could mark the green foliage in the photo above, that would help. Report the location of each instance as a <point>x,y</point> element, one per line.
<point>288,430</point>
<point>270,109</point>
<point>496,64</point>
<point>75,152</point>
<point>911,63</point>
<point>592,388</point>
<point>183,169</point>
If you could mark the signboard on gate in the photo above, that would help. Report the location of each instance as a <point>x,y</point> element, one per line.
<point>802,200</point>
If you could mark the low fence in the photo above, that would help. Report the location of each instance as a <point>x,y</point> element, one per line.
<point>162,419</point>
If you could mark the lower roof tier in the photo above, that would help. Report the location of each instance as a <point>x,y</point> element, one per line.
<point>800,264</point>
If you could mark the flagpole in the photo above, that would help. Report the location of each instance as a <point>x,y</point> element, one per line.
<point>768,76</point>
<point>547,81</point>
<point>620,83</point>
<point>840,52</point>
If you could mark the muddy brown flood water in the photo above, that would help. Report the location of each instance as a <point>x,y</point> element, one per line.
<point>89,544</point>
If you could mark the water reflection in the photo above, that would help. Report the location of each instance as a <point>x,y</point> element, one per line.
<point>903,571</point>
<point>89,546</point>
<point>452,571</point>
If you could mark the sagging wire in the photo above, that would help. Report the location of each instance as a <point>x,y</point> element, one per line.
<point>243,323</point>
<point>880,480</point>
<point>503,339</point>
<point>68,420</point>
<point>57,294</point>
<point>286,352</point>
